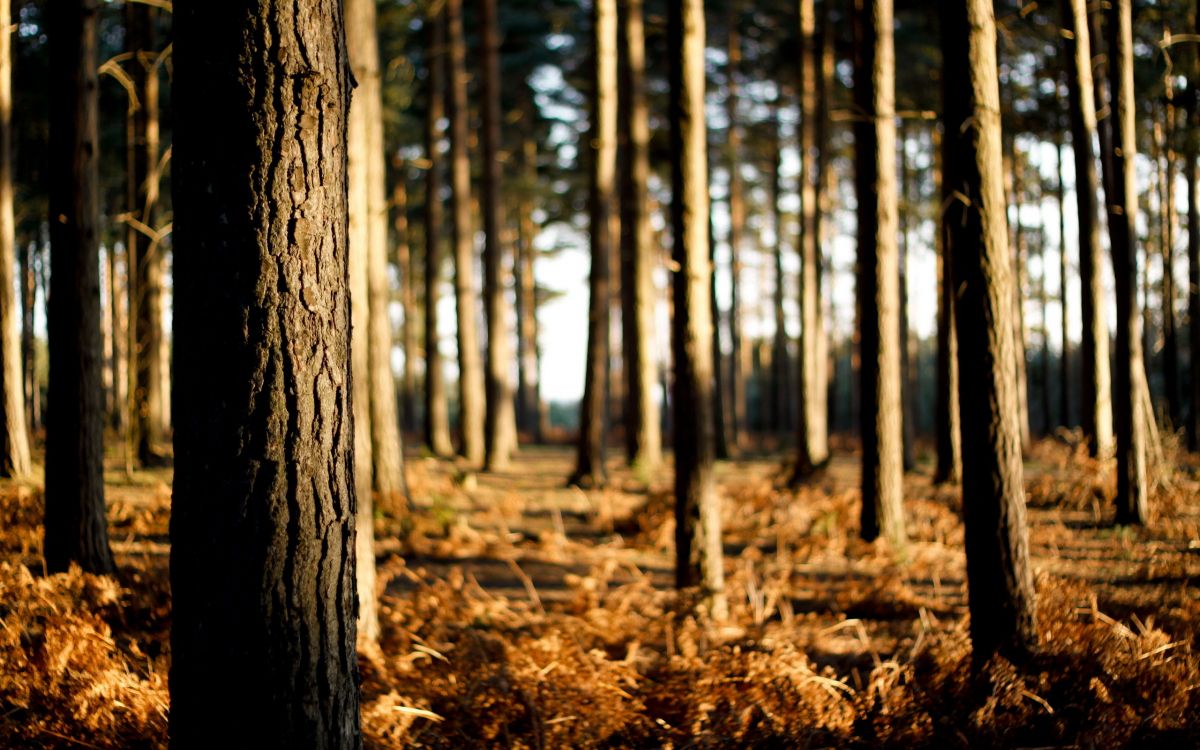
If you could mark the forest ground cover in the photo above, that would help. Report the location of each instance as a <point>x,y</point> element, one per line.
<point>517,612</point>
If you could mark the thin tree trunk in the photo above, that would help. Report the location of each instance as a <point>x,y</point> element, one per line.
<point>780,402</point>
<point>1133,488</point>
<point>263,516</point>
<point>500,417</point>
<point>907,403</point>
<point>33,396</point>
<point>1020,259</point>
<point>643,433</point>
<point>1191,140</point>
<point>602,159</point>
<point>145,252</point>
<point>878,290</point>
<point>118,281</point>
<point>821,412</point>
<point>437,418</point>
<point>999,579</point>
<point>528,376</point>
<point>76,528</point>
<point>948,428</point>
<point>14,439</point>
<point>1064,369</point>
<point>1170,335</point>
<point>737,230</point>
<point>1096,416</point>
<point>470,368</point>
<point>406,267</point>
<point>698,546</point>
<point>720,435</point>
<point>1044,304</point>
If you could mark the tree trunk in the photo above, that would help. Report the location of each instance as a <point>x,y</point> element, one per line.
<point>437,420</point>
<point>528,375</point>
<point>737,230</point>
<point>14,440</point>
<point>948,428</point>
<point>1064,369</point>
<point>1192,140</point>
<point>406,268</point>
<point>907,403</point>
<point>1133,486</point>
<point>500,418</point>
<point>720,434</point>
<point>368,225</point>
<point>698,545</point>
<point>999,579</point>
<point>643,434</point>
<point>822,229</point>
<point>602,160</point>
<point>878,274</point>
<point>1095,384</point>
<point>76,527</point>
<point>145,251</point>
<point>263,519</point>
<point>1170,335</point>
<point>780,404</point>
<point>1044,304</point>
<point>470,368</point>
<point>33,396</point>
<point>1020,258</point>
<point>118,291</point>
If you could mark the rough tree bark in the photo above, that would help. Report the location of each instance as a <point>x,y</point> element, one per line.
<point>999,580</point>
<point>948,424</point>
<point>263,519</point>
<point>1095,391</point>
<point>470,368</point>
<point>878,273</point>
<point>1133,488</point>
<point>698,549</point>
<point>14,439</point>
<point>145,261</point>
<point>436,424</point>
<point>643,434</point>
<point>500,418</point>
<point>76,527</point>
<point>602,162</point>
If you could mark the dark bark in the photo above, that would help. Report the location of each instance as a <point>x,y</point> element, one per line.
<point>907,396</point>
<point>436,424</point>
<point>528,375</point>
<point>720,423</point>
<point>33,396</point>
<point>1191,143</point>
<point>602,161</point>
<point>263,518</point>
<point>406,267</point>
<point>780,402</point>
<point>999,580</point>
<point>14,440</point>
<point>76,527</point>
<point>878,274</point>
<point>946,417</point>
<point>698,546</point>
<point>643,433</point>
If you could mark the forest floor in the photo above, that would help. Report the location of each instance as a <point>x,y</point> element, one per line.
<point>519,613</point>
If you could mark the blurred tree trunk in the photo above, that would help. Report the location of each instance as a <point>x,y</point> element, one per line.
<point>528,375</point>
<point>436,418</point>
<point>999,579</point>
<point>602,160</point>
<point>643,433</point>
<point>1133,486</point>
<point>907,403</point>
<point>1064,370</point>
<point>698,545</point>
<point>1191,141</point>
<point>737,229</point>
<point>878,274</point>
<point>948,427</point>
<point>406,268</point>
<point>500,425</point>
<point>822,228</point>
<point>1095,383</point>
<point>780,403</point>
<point>812,447</point>
<point>1019,258</point>
<point>14,438</point>
<point>720,434</point>
<point>147,418</point>
<point>76,527</point>
<point>118,291</point>
<point>1170,334</point>
<point>263,517</point>
<point>1044,304</point>
<point>33,396</point>
<point>368,225</point>
<point>470,368</point>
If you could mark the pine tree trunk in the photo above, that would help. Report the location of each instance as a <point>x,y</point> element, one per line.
<point>643,432</point>
<point>14,439</point>
<point>698,545</point>
<point>528,377</point>
<point>470,368</point>
<point>907,412</point>
<point>76,527</point>
<point>1064,369</point>
<point>407,268</point>
<point>780,402</point>
<point>117,280</point>
<point>33,396</point>
<point>878,290</point>
<point>737,231</point>
<point>720,433</point>
<point>948,428</point>
<point>827,188</point>
<point>145,252</point>
<point>1133,487</point>
<point>1192,140</point>
<point>1095,384</point>
<point>1044,304</point>
<point>1019,258</point>
<point>500,418</point>
<point>999,579</point>
<point>1170,334</point>
<point>437,420</point>
<point>602,160</point>
<point>263,519</point>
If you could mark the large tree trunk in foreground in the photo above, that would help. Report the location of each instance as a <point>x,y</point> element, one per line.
<point>878,274</point>
<point>948,428</point>
<point>602,160</point>
<point>1095,396</point>
<point>76,527</point>
<point>1193,296</point>
<point>999,580</point>
<point>14,440</point>
<point>145,260</point>
<point>500,423</point>
<point>437,420</point>
<point>1133,487</point>
<point>262,525</point>
<point>643,435</point>
<point>470,368</point>
<point>698,549</point>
